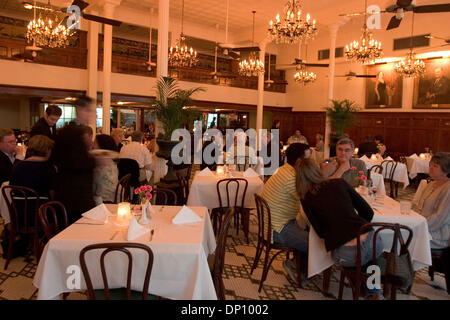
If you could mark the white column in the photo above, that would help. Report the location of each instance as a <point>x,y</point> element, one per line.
<point>260,99</point>
<point>92,66</point>
<point>333,34</point>
<point>161,71</point>
<point>163,38</point>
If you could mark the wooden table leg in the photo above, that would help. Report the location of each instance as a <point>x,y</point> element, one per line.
<point>326,279</point>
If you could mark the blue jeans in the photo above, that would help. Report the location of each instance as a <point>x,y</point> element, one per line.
<point>346,255</point>
<point>292,236</point>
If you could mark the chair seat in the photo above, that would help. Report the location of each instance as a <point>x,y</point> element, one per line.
<point>120,294</point>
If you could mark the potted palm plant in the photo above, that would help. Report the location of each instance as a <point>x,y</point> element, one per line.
<point>169,110</point>
<point>341,114</point>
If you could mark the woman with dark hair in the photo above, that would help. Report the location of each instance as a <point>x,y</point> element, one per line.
<point>35,172</point>
<point>106,173</point>
<point>331,206</point>
<point>433,202</point>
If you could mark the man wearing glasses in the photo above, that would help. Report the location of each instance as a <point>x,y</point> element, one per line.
<point>9,152</point>
<point>343,165</point>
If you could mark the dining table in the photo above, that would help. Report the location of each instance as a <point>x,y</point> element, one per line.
<point>386,210</point>
<point>203,190</point>
<point>400,172</point>
<point>180,267</point>
<point>417,165</point>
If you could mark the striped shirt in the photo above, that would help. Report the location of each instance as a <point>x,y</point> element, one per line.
<point>281,196</point>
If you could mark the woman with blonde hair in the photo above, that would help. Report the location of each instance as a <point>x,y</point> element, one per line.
<point>330,208</point>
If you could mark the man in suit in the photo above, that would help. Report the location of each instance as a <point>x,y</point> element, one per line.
<point>439,92</point>
<point>8,151</point>
<point>46,125</point>
<point>368,147</point>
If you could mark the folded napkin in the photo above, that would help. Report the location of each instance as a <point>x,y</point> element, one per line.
<point>414,156</point>
<point>135,230</point>
<point>250,173</point>
<point>98,214</point>
<point>364,158</point>
<point>186,215</point>
<point>205,173</point>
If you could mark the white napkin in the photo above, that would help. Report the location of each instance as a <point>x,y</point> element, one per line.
<point>414,156</point>
<point>186,215</point>
<point>135,230</point>
<point>205,173</point>
<point>364,158</point>
<point>250,173</point>
<point>98,214</point>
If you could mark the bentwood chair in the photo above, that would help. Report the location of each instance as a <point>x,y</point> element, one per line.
<point>390,167</point>
<point>23,204</point>
<point>52,218</point>
<point>235,188</point>
<point>163,196</point>
<point>117,294</point>
<point>356,276</point>
<point>123,189</point>
<point>265,243</point>
<point>218,260</point>
<point>441,263</point>
<point>376,168</point>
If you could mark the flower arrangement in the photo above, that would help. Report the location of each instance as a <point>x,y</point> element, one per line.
<point>144,193</point>
<point>361,177</point>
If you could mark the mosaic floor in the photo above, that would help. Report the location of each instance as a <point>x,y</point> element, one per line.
<point>16,282</point>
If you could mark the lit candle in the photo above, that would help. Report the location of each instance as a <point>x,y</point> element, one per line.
<point>220,170</point>
<point>285,148</point>
<point>123,212</point>
<point>356,151</point>
<point>373,157</point>
<point>422,156</point>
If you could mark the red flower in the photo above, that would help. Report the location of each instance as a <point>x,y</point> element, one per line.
<point>364,178</point>
<point>136,191</point>
<point>361,172</point>
<point>353,168</point>
<point>148,195</point>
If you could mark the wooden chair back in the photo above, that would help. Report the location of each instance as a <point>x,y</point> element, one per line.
<point>111,247</point>
<point>123,189</point>
<point>53,218</point>
<point>163,196</point>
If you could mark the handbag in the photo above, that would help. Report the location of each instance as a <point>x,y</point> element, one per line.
<point>397,268</point>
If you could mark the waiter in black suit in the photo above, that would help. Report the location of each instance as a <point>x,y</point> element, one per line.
<point>8,150</point>
<point>46,125</point>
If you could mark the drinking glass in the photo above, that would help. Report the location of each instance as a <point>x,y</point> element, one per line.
<point>405,207</point>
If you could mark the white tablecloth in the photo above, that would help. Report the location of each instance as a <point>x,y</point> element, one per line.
<point>4,211</point>
<point>204,191</point>
<point>416,166</point>
<point>180,266</point>
<point>400,173</point>
<point>319,259</point>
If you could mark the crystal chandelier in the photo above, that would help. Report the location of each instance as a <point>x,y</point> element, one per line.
<point>47,32</point>
<point>293,29</point>
<point>305,77</point>
<point>181,55</point>
<point>253,66</point>
<point>366,49</point>
<point>410,66</point>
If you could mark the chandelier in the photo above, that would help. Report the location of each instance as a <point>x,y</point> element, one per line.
<point>181,55</point>
<point>293,29</point>
<point>47,32</point>
<point>410,66</point>
<point>366,49</point>
<point>305,77</point>
<point>252,66</point>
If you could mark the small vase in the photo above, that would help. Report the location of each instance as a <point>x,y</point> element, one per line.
<point>144,217</point>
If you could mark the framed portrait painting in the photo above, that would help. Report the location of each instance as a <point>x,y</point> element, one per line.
<point>432,91</point>
<point>385,88</point>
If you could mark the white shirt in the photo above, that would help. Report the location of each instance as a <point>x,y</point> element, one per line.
<point>138,152</point>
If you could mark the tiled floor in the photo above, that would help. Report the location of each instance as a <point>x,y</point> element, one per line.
<point>16,282</point>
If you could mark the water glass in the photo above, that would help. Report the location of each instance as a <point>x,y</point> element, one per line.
<point>405,207</point>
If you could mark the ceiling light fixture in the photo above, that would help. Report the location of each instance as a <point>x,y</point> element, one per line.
<point>293,29</point>
<point>181,56</point>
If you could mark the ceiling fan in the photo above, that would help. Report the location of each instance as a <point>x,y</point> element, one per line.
<point>268,81</point>
<point>401,6</point>
<point>350,75</point>
<point>299,64</point>
<point>149,64</point>
<point>447,41</point>
<point>232,50</point>
<point>82,5</point>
